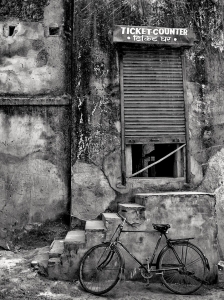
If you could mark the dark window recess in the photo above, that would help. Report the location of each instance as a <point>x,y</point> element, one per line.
<point>53,30</point>
<point>137,163</point>
<point>11,30</point>
<point>166,168</point>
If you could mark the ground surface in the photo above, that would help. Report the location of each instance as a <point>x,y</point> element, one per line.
<point>19,281</point>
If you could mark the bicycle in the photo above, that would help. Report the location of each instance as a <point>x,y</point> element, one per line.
<point>181,264</point>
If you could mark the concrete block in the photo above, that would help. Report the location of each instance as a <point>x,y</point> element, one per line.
<point>135,213</point>
<point>54,268</point>
<point>53,261</point>
<point>57,248</point>
<point>95,232</point>
<point>111,221</point>
<point>94,238</point>
<point>95,225</point>
<point>40,261</point>
<point>190,214</point>
<point>74,240</point>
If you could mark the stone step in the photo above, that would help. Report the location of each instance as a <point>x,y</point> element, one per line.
<point>135,213</point>
<point>111,221</point>
<point>53,267</point>
<point>74,240</point>
<point>95,225</point>
<point>57,248</point>
<point>66,266</point>
<point>95,232</point>
<point>40,261</point>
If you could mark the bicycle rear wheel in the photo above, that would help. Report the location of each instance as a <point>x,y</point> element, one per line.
<point>100,269</point>
<point>189,278</point>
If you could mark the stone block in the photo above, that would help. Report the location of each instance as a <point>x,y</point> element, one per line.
<point>95,225</point>
<point>74,240</point>
<point>54,268</point>
<point>190,214</point>
<point>135,213</point>
<point>57,248</point>
<point>95,232</point>
<point>111,221</point>
<point>40,261</point>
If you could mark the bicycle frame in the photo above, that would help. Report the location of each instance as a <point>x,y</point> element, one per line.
<point>177,271</point>
<point>119,229</point>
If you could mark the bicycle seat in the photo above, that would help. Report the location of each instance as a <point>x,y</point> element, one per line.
<point>161,227</point>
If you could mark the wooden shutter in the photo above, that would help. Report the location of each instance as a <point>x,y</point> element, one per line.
<point>153,96</point>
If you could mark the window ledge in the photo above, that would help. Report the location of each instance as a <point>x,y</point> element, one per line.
<point>157,183</point>
<point>162,180</point>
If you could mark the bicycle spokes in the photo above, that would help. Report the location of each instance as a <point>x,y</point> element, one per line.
<point>190,268</point>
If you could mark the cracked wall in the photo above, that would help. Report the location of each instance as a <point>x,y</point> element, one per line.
<point>34,167</point>
<point>97,142</point>
<point>34,114</point>
<point>32,60</point>
<point>97,97</point>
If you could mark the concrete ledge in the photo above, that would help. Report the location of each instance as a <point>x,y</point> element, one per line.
<point>131,206</point>
<point>174,193</point>
<point>35,100</point>
<point>158,183</point>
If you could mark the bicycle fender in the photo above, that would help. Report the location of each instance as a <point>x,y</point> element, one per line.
<point>165,247</point>
<point>206,262</point>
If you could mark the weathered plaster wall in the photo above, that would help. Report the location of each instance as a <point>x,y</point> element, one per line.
<point>213,181</point>
<point>97,85</point>
<point>91,190</point>
<point>32,61</point>
<point>195,216</point>
<point>35,140</point>
<point>97,142</point>
<point>34,155</point>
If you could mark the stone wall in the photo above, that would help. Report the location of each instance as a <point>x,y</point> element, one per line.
<point>97,98</point>
<point>190,215</point>
<point>34,155</point>
<point>32,60</point>
<point>44,57</point>
<point>34,114</point>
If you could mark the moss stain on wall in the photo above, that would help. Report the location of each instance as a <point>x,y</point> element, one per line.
<point>97,68</point>
<point>29,10</point>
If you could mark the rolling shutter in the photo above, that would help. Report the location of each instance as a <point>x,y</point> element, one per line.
<point>153,96</point>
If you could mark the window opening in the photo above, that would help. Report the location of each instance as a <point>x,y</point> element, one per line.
<point>153,111</point>
<point>53,31</point>
<point>11,30</point>
<point>144,155</point>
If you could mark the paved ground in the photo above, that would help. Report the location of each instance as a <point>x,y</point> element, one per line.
<point>19,281</point>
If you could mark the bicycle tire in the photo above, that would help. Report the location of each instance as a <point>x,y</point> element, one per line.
<point>186,280</point>
<point>100,269</point>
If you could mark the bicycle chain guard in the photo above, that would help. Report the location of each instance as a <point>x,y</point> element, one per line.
<point>146,274</point>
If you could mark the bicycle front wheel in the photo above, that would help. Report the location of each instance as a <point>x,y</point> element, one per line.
<point>100,269</point>
<point>188,276</point>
